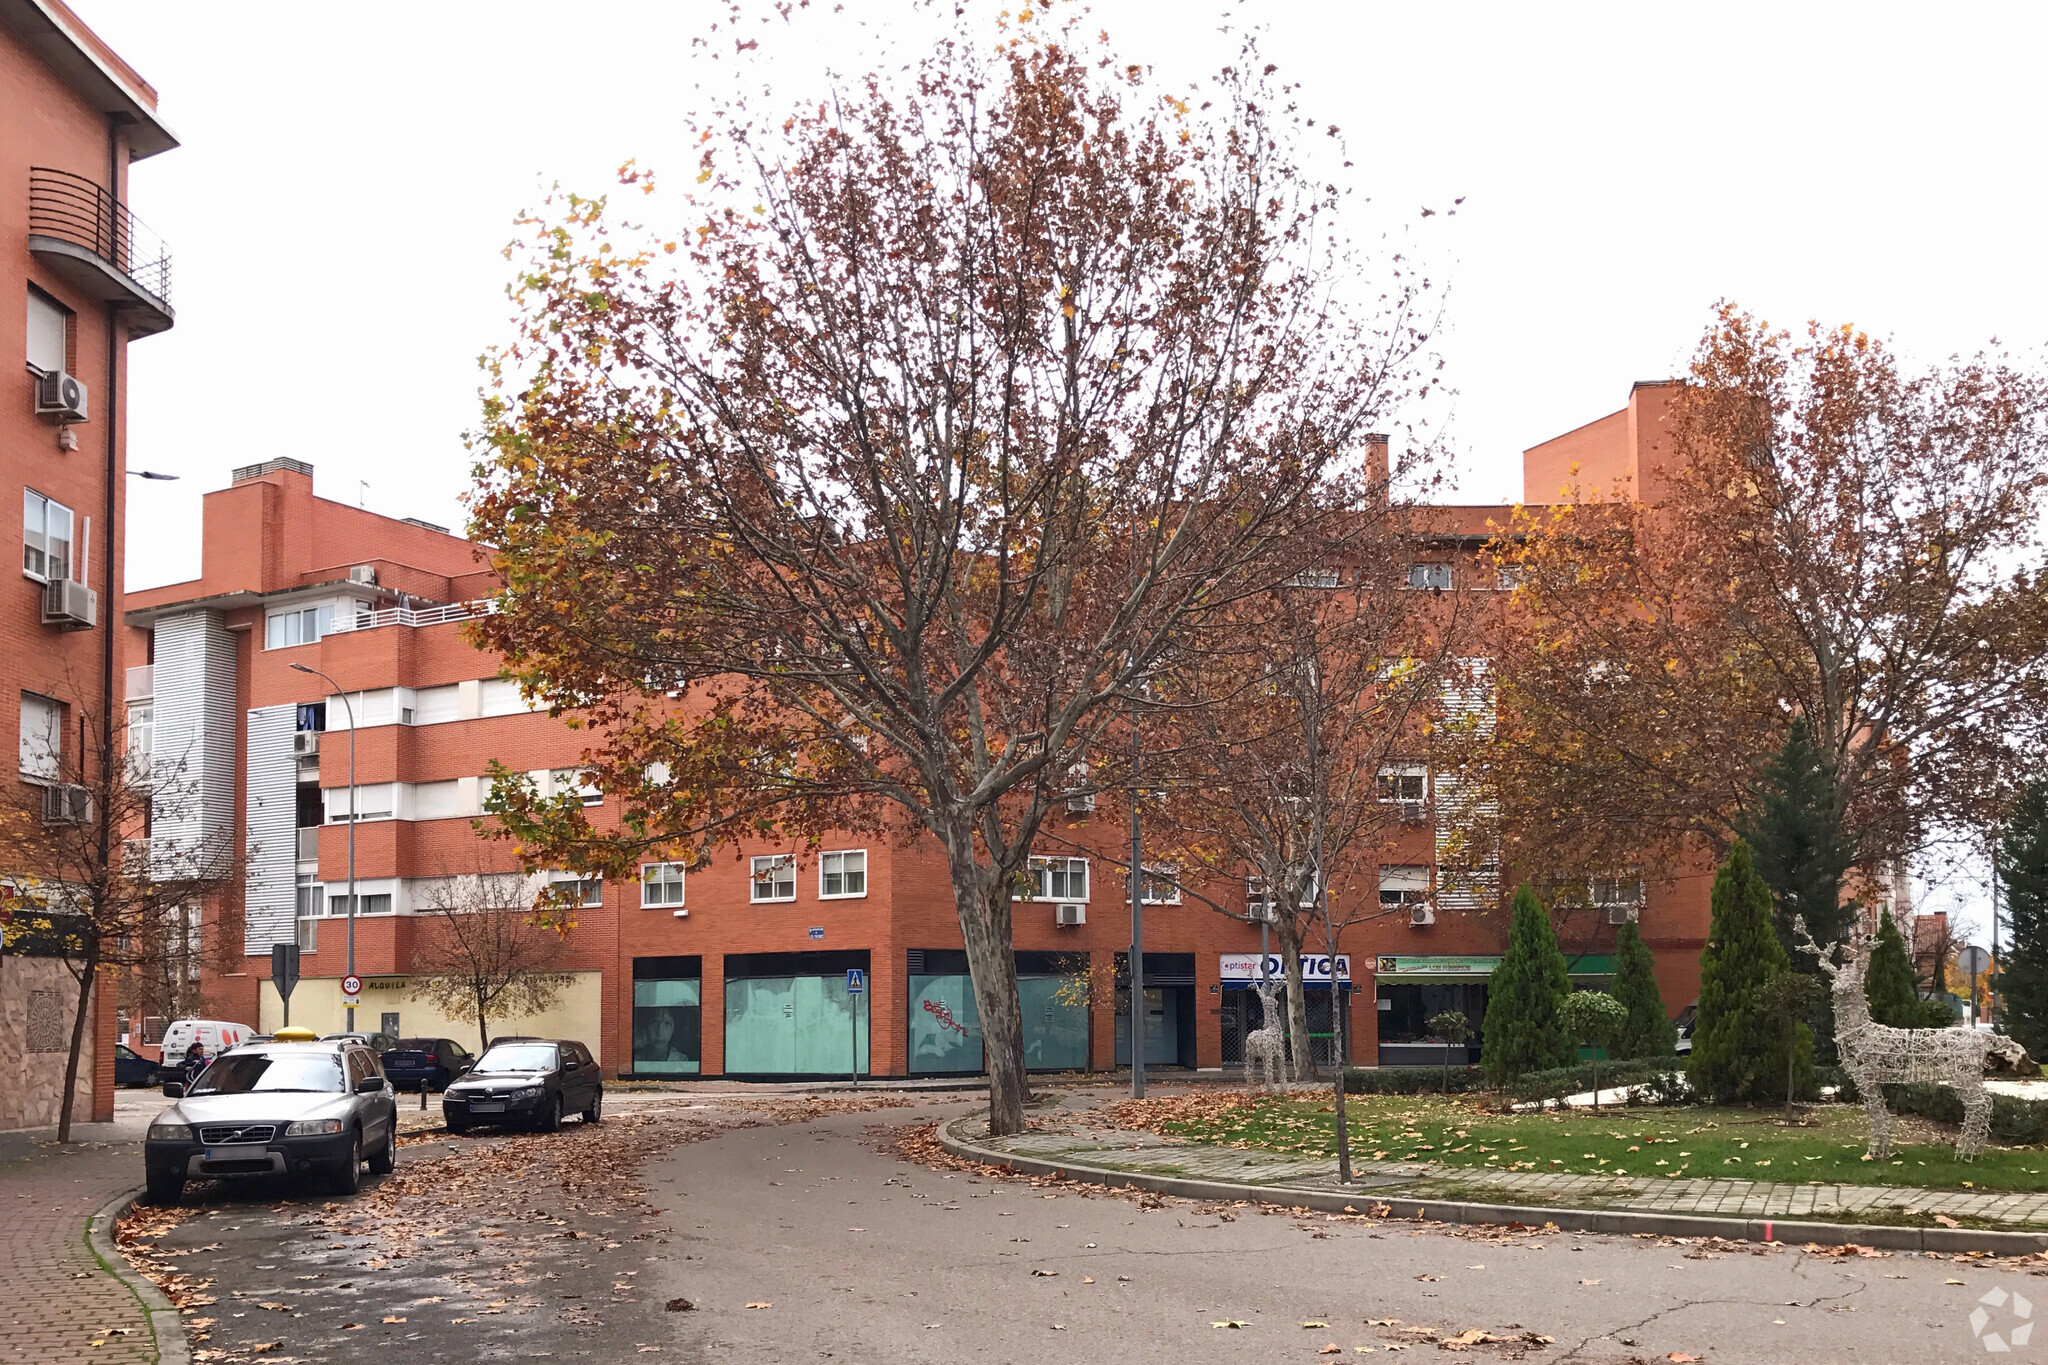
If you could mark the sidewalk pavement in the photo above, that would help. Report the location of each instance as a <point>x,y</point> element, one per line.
<point>62,1305</point>
<point>1148,1153</point>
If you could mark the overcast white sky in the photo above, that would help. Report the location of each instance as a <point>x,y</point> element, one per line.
<point>349,173</point>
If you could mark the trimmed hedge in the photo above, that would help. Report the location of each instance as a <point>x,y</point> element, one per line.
<point>2013,1120</point>
<point>1649,1072</point>
<point>1411,1080</point>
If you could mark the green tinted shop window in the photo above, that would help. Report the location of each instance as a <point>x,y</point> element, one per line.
<point>1055,1022</point>
<point>794,1025</point>
<point>945,1027</point>
<point>667,1028</point>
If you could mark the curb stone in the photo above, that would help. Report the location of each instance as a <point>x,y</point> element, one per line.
<point>1623,1222</point>
<point>164,1323</point>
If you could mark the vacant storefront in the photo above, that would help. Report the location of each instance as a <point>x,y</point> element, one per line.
<point>790,1014</point>
<point>944,1026</point>
<point>668,1016</point>
<point>1413,988</point>
<point>1168,1008</point>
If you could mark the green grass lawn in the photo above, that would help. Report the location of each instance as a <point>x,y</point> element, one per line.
<point>1750,1144</point>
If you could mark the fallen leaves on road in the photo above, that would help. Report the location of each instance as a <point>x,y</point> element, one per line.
<point>393,1318</point>
<point>680,1306</point>
<point>760,1305</point>
<point>1231,1323</point>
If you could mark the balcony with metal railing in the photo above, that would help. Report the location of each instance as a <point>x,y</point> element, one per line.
<point>80,231</point>
<point>413,616</point>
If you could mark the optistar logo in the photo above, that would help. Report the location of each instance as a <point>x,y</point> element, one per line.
<point>2011,1340</point>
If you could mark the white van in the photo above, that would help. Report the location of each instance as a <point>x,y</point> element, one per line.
<point>215,1035</point>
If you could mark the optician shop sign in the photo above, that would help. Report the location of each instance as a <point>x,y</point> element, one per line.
<point>1315,967</point>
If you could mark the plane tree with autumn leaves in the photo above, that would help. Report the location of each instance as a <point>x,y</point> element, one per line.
<point>1830,533</point>
<point>865,494</point>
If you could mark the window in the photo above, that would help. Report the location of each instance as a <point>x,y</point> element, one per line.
<point>562,781</point>
<point>1317,578</point>
<point>1406,787</point>
<point>304,626</point>
<point>45,537</point>
<point>1610,891</point>
<point>661,886</point>
<point>1403,888</point>
<point>1162,885</point>
<point>42,737</point>
<point>378,904</point>
<point>500,697</point>
<point>438,800</point>
<point>141,729</point>
<point>584,892</point>
<point>1510,576</point>
<point>1058,879</point>
<point>843,874</point>
<point>1435,576</point>
<point>374,801</point>
<point>433,705</point>
<point>774,878</point>
<point>48,324</point>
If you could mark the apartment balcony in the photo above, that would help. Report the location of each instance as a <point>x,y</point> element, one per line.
<point>141,682</point>
<point>309,844</point>
<point>83,233</point>
<point>413,616</point>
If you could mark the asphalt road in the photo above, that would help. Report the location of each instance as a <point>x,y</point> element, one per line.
<point>863,1257</point>
<point>857,1254</point>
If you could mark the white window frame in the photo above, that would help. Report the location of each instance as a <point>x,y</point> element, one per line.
<point>1623,889</point>
<point>1160,876</point>
<point>658,878</point>
<point>771,863</point>
<point>1400,896</point>
<point>290,628</point>
<point>359,804</point>
<point>564,781</point>
<point>1429,576</point>
<point>53,313</point>
<point>36,539</point>
<point>1322,576</point>
<point>366,903</point>
<point>142,728</point>
<point>1401,773</point>
<point>47,765</point>
<point>1039,879</point>
<point>827,868</point>
<point>589,894</point>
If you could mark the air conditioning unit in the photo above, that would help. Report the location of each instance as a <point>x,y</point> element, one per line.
<point>306,744</point>
<point>69,606</point>
<point>1069,916</point>
<point>1081,803</point>
<point>60,397</point>
<point>1623,912</point>
<point>67,804</point>
<point>1262,912</point>
<point>1413,812</point>
<point>363,573</point>
<point>1421,915</point>
<point>135,857</point>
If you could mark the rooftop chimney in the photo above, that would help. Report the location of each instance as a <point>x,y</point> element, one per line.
<point>257,471</point>
<point>1378,470</point>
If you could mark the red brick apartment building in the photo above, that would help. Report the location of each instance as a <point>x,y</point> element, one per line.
<point>739,967</point>
<point>83,279</point>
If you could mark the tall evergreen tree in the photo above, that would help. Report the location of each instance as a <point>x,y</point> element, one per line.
<point>1649,1032</point>
<point>1888,981</point>
<point>2023,873</point>
<point>1523,1032</point>
<point>1800,849</point>
<point>1738,1051</point>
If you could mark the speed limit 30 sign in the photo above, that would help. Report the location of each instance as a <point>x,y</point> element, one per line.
<point>352,987</point>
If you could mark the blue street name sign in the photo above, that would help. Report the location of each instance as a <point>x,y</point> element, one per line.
<point>817,931</point>
<point>855,981</point>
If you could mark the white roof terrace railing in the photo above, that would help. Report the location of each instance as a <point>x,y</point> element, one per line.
<point>414,616</point>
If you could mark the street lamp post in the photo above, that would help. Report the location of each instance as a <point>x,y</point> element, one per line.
<point>350,711</point>
<point>1137,956</point>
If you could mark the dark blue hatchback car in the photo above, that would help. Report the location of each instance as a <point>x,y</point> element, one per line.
<point>413,1063</point>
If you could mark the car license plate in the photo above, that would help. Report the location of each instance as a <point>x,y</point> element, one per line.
<point>239,1151</point>
<point>487,1107</point>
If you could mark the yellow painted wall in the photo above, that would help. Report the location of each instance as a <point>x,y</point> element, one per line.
<point>316,1004</point>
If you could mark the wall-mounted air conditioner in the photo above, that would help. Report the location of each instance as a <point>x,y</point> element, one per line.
<point>1421,915</point>
<point>306,744</point>
<point>363,573</point>
<point>1623,913</point>
<point>69,606</point>
<point>1069,916</point>
<point>1262,912</point>
<point>67,804</point>
<point>60,397</point>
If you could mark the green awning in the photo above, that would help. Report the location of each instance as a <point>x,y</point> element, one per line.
<point>1393,968</point>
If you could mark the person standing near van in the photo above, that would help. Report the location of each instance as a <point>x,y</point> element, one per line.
<point>194,1063</point>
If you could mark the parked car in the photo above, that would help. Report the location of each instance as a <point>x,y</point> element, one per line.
<point>379,1043</point>
<point>131,1068</point>
<point>1685,1021</point>
<point>526,1081</point>
<point>429,1062</point>
<point>276,1109</point>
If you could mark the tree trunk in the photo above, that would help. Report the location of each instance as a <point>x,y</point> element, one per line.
<point>984,907</point>
<point>483,1028</point>
<point>87,975</point>
<point>1297,1000</point>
